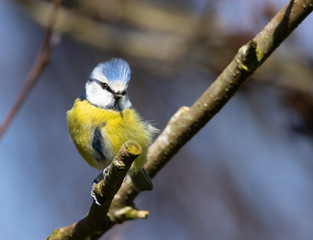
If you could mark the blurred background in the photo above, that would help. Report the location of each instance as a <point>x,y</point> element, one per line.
<point>247,175</point>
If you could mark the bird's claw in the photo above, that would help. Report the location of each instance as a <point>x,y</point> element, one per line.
<point>100,177</point>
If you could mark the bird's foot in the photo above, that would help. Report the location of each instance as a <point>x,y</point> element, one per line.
<point>100,177</point>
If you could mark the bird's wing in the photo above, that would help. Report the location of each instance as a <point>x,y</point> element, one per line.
<point>97,144</point>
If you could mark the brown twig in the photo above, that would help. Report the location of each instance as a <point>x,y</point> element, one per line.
<point>49,43</point>
<point>97,221</point>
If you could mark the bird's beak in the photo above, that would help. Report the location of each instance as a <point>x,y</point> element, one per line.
<point>118,96</point>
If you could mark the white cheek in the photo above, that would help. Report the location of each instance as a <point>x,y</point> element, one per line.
<point>98,96</point>
<point>102,98</point>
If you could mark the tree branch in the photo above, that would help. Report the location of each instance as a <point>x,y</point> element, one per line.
<point>97,221</point>
<point>49,43</point>
<point>186,122</point>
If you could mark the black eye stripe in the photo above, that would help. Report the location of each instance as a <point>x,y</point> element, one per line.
<point>106,87</point>
<point>109,89</point>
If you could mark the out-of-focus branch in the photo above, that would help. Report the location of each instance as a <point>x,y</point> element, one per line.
<point>170,27</point>
<point>97,222</point>
<point>169,36</point>
<point>43,57</point>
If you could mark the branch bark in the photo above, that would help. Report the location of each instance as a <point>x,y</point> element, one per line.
<point>97,221</point>
<point>49,43</point>
<point>186,122</point>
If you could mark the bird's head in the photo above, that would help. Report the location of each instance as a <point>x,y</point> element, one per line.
<point>107,85</point>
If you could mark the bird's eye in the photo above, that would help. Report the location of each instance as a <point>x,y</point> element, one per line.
<point>104,85</point>
<point>123,93</point>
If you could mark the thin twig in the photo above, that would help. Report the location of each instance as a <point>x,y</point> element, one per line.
<point>49,43</point>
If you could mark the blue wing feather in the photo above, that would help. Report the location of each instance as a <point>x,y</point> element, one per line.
<point>97,144</point>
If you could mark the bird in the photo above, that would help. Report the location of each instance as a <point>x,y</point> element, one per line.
<point>102,119</point>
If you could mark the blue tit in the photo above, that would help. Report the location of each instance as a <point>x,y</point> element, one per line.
<point>102,119</point>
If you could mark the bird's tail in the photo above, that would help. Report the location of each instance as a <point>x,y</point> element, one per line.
<point>141,181</point>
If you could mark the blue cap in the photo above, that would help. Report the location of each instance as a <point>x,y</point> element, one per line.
<point>114,69</point>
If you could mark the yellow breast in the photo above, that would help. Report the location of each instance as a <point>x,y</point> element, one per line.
<point>116,128</point>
